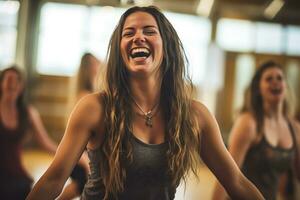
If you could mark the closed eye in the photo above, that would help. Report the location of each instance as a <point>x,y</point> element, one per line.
<point>279,78</point>
<point>150,32</point>
<point>126,34</point>
<point>269,78</point>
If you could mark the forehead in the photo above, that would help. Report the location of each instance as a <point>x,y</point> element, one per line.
<point>139,18</point>
<point>11,73</point>
<point>272,71</point>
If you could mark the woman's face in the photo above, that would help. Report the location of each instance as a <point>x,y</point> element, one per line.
<point>11,84</point>
<point>273,85</point>
<point>141,44</point>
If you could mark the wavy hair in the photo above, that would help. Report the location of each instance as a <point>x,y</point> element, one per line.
<point>253,102</point>
<point>182,132</point>
<point>21,100</point>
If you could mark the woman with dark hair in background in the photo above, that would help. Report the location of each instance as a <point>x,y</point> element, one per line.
<point>16,119</point>
<point>264,139</point>
<point>143,132</point>
<point>87,75</point>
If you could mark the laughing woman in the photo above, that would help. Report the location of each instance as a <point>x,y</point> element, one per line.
<point>264,139</point>
<point>143,133</point>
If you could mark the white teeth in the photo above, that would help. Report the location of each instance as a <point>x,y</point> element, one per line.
<point>138,50</point>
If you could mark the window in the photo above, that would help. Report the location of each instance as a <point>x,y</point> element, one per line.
<point>245,68</point>
<point>60,38</point>
<point>99,37</point>
<point>269,38</point>
<point>67,31</point>
<point>195,36</point>
<point>246,36</point>
<point>293,40</point>
<point>8,31</point>
<point>236,35</point>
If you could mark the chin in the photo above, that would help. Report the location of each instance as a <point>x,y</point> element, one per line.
<point>139,68</point>
<point>277,100</point>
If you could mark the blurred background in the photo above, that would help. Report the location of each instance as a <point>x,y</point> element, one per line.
<point>225,40</point>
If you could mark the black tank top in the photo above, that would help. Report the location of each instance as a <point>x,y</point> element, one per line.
<point>146,175</point>
<point>265,163</point>
<point>15,182</point>
<point>11,168</point>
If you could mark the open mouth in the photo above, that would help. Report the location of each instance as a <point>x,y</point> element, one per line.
<point>140,52</point>
<point>276,91</point>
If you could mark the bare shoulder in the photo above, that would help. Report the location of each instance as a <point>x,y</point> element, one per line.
<point>244,127</point>
<point>89,109</point>
<point>199,107</point>
<point>82,94</point>
<point>202,113</point>
<point>247,120</point>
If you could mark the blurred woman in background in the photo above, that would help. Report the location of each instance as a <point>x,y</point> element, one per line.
<point>17,118</point>
<point>264,139</point>
<point>87,75</point>
<point>86,80</point>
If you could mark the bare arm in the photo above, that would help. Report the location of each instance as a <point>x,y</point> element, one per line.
<point>40,132</point>
<point>84,118</point>
<point>220,162</point>
<point>241,138</point>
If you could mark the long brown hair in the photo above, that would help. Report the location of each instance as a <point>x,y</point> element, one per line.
<point>84,81</point>
<point>181,131</point>
<point>21,100</point>
<point>253,102</point>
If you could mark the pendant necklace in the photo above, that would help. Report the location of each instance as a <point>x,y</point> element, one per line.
<point>147,115</point>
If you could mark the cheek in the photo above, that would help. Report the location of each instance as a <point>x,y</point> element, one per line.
<point>94,69</point>
<point>262,88</point>
<point>20,88</point>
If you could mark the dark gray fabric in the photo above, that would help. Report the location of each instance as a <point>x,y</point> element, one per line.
<point>146,175</point>
<point>264,164</point>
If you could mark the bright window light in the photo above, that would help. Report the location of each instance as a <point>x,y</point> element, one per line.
<point>245,68</point>
<point>99,37</point>
<point>67,31</point>
<point>269,38</point>
<point>293,40</point>
<point>60,38</point>
<point>236,35</point>
<point>195,36</point>
<point>8,32</point>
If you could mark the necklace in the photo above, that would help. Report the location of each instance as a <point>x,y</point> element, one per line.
<point>147,115</point>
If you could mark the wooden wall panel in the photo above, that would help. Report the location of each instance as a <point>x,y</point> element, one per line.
<point>51,96</point>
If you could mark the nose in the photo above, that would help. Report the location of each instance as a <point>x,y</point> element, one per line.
<point>139,37</point>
